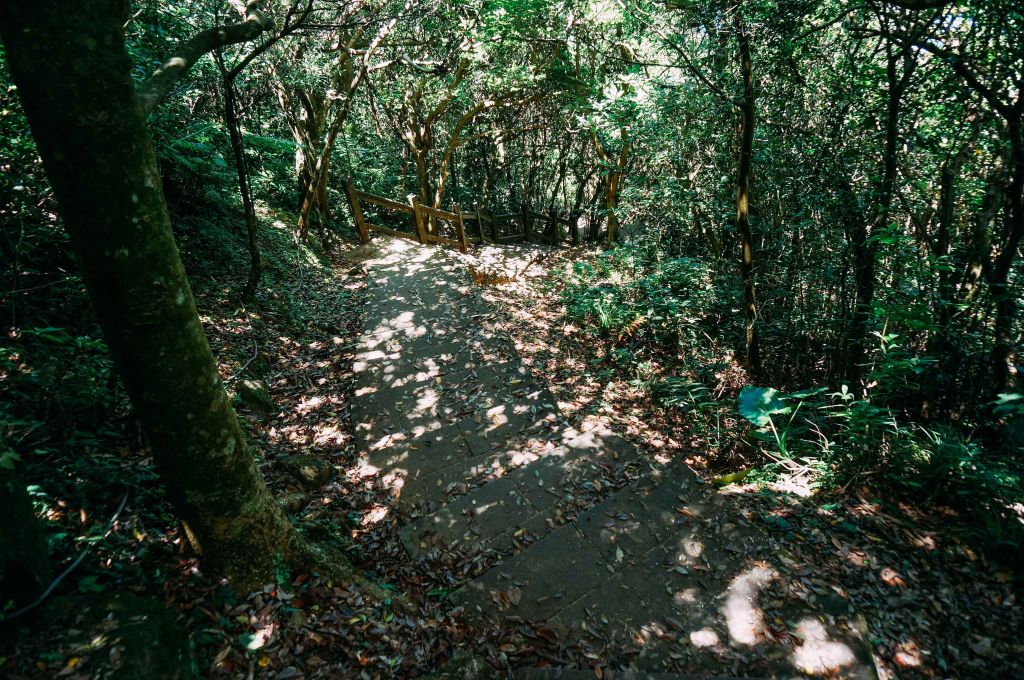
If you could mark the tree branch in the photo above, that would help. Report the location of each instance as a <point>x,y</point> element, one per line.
<point>286,30</point>
<point>189,52</point>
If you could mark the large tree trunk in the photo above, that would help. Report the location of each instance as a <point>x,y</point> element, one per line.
<point>72,71</point>
<point>753,354</point>
<point>24,565</point>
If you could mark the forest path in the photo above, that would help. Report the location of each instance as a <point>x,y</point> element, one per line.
<point>573,536</point>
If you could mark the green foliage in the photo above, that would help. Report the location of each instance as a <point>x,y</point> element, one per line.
<point>847,439</point>
<point>667,303</point>
<point>759,404</point>
<point>682,393</point>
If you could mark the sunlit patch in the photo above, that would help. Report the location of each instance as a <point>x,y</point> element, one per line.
<point>705,637</point>
<point>307,405</point>
<point>686,596</point>
<point>481,509</point>
<point>395,481</point>
<point>385,441</point>
<point>925,541</point>
<point>891,577</point>
<point>745,620</point>
<point>261,637</point>
<point>520,458</point>
<point>329,434</point>
<point>364,469</point>
<point>817,655</point>
<point>374,515</point>
<point>426,402</point>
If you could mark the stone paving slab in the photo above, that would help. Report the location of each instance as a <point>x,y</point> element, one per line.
<point>580,674</point>
<point>420,456</point>
<point>673,579</point>
<point>527,586</point>
<point>525,497</point>
<point>372,377</point>
<point>490,511</point>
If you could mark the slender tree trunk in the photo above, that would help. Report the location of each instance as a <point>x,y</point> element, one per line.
<point>72,71</point>
<point>865,251</point>
<point>753,355</point>
<point>594,227</point>
<point>318,179</point>
<point>614,185</point>
<point>1005,298</point>
<point>940,344</point>
<point>244,187</point>
<point>562,167</point>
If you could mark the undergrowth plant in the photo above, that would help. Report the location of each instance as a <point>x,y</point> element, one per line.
<point>663,307</point>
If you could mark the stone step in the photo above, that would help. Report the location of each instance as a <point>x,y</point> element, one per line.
<point>660,568</point>
<point>465,391</point>
<point>449,351</point>
<point>580,555</point>
<point>411,304</point>
<point>383,368</point>
<point>415,338</point>
<point>514,505</point>
<point>385,314</point>
<point>611,674</point>
<point>511,372</point>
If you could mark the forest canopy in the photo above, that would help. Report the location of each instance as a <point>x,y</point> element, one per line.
<point>782,236</point>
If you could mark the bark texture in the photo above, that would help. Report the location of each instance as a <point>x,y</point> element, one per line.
<point>72,76</point>
<point>753,354</point>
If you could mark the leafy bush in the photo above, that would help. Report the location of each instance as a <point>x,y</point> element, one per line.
<point>629,297</point>
<point>682,393</point>
<point>845,438</point>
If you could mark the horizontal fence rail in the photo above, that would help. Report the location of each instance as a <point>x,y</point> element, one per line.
<point>524,225</point>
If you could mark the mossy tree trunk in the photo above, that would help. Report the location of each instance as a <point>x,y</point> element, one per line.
<point>72,71</point>
<point>752,358</point>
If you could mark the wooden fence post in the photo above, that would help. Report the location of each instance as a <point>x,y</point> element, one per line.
<point>417,218</point>
<point>574,228</point>
<point>479,222</point>
<point>494,226</point>
<point>553,224</point>
<point>460,229</point>
<point>527,222</point>
<point>357,212</point>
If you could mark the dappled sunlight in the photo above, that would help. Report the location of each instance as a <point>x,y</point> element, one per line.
<point>816,654</point>
<point>743,617</point>
<point>470,448</point>
<point>725,379</point>
<point>687,596</point>
<point>705,637</point>
<point>374,515</point>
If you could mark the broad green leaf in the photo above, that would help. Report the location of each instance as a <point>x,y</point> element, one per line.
<point>759,404</point>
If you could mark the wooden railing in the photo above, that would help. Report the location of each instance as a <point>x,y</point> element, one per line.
<point>525,225</point>
<point>424,219</point>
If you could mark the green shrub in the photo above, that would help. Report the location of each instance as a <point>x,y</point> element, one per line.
<point>628,297</point>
